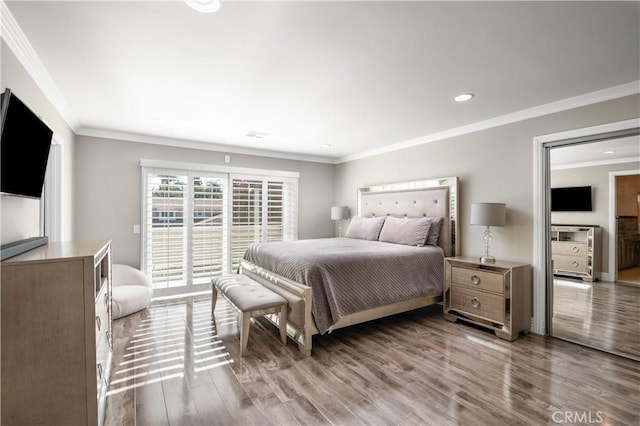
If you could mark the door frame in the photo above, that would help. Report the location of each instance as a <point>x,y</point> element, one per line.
<point>613,213</point>
<point>542,273</point>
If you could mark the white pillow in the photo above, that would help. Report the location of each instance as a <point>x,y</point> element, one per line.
<point>406,231</point>
<point>365,228</point>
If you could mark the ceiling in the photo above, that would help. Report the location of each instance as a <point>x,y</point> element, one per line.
<point>596,153</point>
<point>361,76</point>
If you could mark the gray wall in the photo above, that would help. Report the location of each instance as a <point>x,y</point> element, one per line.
<point>494,165</point>
<point>108,189</point>
<point>21,216</point>
<point>598,178</point>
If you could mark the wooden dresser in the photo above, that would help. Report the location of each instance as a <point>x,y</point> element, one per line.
<point>56,334</point>
<point>497,295</point>
<point>575,251</point>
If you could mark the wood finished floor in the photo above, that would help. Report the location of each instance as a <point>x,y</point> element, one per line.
<point>174,365</point>
<point>603,315</point>
<point>630,276</point>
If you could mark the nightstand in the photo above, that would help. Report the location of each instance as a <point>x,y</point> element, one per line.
<point>493,295</point>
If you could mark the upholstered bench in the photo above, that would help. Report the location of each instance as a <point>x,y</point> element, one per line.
<point>252,300</point>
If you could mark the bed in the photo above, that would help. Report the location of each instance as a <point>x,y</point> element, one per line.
<point>332,283</point>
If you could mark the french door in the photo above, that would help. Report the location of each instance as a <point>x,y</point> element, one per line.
<point>197,226</point>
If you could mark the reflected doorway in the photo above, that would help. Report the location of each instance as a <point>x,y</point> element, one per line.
<point>602,313</point>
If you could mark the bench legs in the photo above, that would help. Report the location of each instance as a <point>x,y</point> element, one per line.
<point>245,322</point>
<point>283,324</point>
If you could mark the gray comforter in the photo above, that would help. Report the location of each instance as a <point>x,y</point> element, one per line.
<point>350,275</point>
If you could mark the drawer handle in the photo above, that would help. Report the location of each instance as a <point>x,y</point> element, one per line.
<point>475,279</point>
<point>98,323</point>
<point>100,371</point>
<point>575,249</point>
<point>475,302</point>
<point>574,263</point>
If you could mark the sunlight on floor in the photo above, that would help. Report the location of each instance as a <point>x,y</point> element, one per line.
<point>176,339</point>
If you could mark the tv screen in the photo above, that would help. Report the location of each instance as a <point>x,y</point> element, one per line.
<point>571,199</point>
<point>24,142</point>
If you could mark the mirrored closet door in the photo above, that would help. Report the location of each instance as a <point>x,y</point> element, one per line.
<point>595,244</point>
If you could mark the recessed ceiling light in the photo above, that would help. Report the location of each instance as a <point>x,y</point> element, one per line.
<point>257,135</point>
<point>463,97</point>
<point>160,120</point>
<point>609,152</point>
<point>205,6</point>
<point>326,146</point>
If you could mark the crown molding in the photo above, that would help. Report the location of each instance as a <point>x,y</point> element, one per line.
<point>623,90</point>
<point>206,146</point>
<point>16,40</point>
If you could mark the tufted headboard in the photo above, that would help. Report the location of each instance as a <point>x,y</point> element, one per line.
<point>436,197</point>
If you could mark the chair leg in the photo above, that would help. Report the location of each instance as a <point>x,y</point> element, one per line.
<point>245,322</point>
<point>214,298</point>
<point>283,325</point>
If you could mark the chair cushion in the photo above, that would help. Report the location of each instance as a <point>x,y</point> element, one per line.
<point>128,275</point>
<point>127,299</point>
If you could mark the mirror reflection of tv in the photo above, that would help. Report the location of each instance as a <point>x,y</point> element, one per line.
<point>571,199</point>
<point>25,141</point>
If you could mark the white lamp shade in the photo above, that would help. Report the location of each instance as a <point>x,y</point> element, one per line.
<point>488,214</point>
<point>339,213</point>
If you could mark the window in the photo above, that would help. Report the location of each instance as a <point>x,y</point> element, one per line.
<point>263,209</point>
<point>197,224</point>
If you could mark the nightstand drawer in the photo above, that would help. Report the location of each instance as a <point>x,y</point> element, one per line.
<point>569,248</point>
<point>483,280</point>
<point>570,263</point>
<point>478,303</point>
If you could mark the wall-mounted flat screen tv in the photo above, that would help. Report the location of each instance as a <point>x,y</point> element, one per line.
<point>571,199</point>
<point>25,142</point>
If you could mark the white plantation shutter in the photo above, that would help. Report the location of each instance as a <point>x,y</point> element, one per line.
<point>282,208</point>
<point>197,225</point>
<point>207,228</point>
<point>263,208</point>
<point>165,237</point>
<point>246,216</point>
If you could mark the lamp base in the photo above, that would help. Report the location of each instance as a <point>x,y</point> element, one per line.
<point>487,259</point>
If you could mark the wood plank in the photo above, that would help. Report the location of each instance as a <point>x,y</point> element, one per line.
<point>412,368</point>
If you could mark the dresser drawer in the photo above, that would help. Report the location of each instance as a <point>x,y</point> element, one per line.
<point>483,280</point>
<point>478,303</point>
<point>102,363</point>
<point>570,263</point>
<point>569,248</point>
<point>102,314</point>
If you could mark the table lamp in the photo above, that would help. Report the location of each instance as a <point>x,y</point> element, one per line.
<point>488,215</point>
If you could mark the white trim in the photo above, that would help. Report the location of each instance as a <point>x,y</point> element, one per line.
<point>538,320</point>
<point>52,201</point>
<point>206,146</point>
<point>178,165</point>
<point>588,131</point>
<point>539,222</point>
<point>613,229</point>
<point>12,34</point>
<point>538,111</point>
<point>526,114</point>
